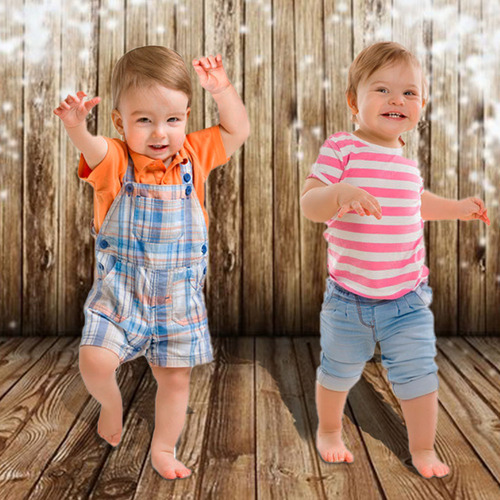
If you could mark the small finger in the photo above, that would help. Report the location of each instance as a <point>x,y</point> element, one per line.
<point>65,105</point>
<point>211,59</point>
<point>218,59</point>
<point>204,62</point>
<point>81,94</point>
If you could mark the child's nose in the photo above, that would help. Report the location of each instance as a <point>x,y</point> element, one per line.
<point>396,99</point>
<point>159,131</point>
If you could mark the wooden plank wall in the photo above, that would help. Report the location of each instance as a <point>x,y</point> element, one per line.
<point>289,61</point>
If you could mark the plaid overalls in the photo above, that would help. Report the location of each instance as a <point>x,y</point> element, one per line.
<point>151,261</point>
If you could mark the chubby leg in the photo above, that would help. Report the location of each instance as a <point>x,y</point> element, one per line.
<point>330,407</point>
<point>97,368</point>
<point>421,421</point>
<point>170,413</point>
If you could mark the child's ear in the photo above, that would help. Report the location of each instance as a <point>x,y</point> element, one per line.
<point>117,121</point>
<point>187,113</point>
<point>351,102</point>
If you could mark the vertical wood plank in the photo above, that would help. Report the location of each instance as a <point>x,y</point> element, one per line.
<point>11,179</point>
<point>443,107</point>
<point>136,24</point>
<point>189,20</point>
<point>491,20</point>
<point>371,23</point>
<point>258,177</point>
<point>310,115</point>
<point>224,189</point>
<point>41,165</point>
<point>78,72</point>
<point>287,180</point>
<point>111,48</point>
<point>471,254</point>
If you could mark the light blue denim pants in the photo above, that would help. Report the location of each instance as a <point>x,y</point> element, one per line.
<point>352,324</point>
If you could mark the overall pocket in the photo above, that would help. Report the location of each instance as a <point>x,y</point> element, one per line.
<point>157,220</point>
<point>113,293</point>
<point>187,297</point>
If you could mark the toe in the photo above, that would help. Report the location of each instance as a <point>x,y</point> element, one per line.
<point>348,457</point>
<point>427,471</point>
<point>328,456</point>
<point>170,474</point>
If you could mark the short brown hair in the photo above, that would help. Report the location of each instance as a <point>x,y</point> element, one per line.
<point>144,66</point>
<point>375,57</point>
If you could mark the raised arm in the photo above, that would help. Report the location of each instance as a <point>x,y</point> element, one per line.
<point>234,124</point>
<point>72,112</point>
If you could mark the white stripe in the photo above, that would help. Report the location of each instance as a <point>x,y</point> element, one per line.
<point>374,274</point>
<point>375,256</point>
<point>377,292</point>
<point>386,220</point>
<point>375,238</point>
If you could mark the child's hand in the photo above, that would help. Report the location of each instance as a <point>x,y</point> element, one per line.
<point>359,200</point>
<point>73,111</point>
<point>472,208</point>
<point>211,73</point>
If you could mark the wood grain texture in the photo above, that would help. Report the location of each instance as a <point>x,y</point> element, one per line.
<point>75,243</point>
<point>289,63</point>
<point>471,253</point>
<point>443,235</point>
<point>309,67</point>
<point>224,186</point>
<point>11,179</point>
<point>287,178</point>
<point>40,171</point>
<point>258,289</point>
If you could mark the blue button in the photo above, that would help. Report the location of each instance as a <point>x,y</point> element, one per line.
<point>205,270</point>
<point>204,249</point>
<point>187,177</point>
<point>104,244</point>
<point>101,266</point>
<point>129,188</point>
<point>188,190</point>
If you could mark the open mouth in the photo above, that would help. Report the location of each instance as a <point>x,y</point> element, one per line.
<point>158,147</point>
<point>394,115</point>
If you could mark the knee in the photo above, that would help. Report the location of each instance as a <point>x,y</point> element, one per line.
<point>97,362</point>
<point>174,379</point>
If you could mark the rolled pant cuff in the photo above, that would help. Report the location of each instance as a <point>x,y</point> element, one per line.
<point>335,383</point>
<point>415,388</point>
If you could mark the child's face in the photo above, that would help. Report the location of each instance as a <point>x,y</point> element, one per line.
<point>153,116</point>
<point>396,88</point>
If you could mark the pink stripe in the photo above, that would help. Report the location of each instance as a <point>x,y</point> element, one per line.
<point>400,211</point>
<point>350,142</point>
<point>376,266</point>
<point>372,247</point>
<point>331,161</point>
<point>371,229</point>
<point>383,174</point>
<point>380,283</point>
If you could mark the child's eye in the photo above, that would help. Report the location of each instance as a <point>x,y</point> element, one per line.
<point>173,119</point>
<point>409,92</point>
<point>381,90</point>
<point>143,119</point>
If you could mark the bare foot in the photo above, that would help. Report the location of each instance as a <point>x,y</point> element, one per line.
<point>428,464</point>
<point>168,466</point>
<point>110,424</point>
<point>331,447</point>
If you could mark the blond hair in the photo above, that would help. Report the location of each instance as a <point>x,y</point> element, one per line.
<point>375,57</point>
<point>147,65</point>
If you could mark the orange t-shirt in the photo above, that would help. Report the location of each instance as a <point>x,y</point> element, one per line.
<point>204,148</point>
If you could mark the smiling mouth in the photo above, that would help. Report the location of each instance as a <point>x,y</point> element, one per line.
<point>158,147</point>
<point>394,115</point>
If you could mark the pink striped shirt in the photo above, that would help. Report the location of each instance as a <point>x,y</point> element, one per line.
<point>379,259</point>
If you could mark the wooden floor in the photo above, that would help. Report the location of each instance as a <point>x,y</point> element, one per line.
<point>249,429</point>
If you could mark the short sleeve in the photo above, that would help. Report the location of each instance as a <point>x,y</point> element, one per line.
<point>208,146</point>
<point>329,165</point>
<point>106,175</point>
